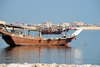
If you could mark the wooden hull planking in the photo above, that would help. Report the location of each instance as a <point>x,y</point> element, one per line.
<point>14,41</point>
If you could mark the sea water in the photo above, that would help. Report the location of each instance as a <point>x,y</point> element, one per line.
<point>84,50</point>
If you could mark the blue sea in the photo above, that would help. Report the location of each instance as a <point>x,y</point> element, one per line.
<point>84,50</point>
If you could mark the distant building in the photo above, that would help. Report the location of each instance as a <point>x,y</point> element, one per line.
<point>64,24</point>
<point>97,25</point>
<point>90,25</point>
<point>2,22</point>
<point>47,24</point>
<point>30,25</point>
<point>77,24</point>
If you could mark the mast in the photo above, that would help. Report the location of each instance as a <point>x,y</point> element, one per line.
<point>28,32</point>
<point>5,28</point>
<point>24,31</point>
<point>40,35</point>
<point>64,29</point>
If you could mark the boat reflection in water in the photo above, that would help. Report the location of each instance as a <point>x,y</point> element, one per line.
<point>41,54</point>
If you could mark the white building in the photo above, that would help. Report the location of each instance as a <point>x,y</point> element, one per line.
<point>47,24</point>
<point>64,24</point>
<point>2,22</point>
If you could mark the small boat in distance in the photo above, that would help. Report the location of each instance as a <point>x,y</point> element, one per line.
<point>51,30</point>
<point>14,37</point>
<point>55,30</point>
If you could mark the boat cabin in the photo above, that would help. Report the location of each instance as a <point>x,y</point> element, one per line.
<point>17,32</point>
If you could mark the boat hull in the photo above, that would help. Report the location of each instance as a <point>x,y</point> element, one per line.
<point>52,32</point>
<point>15,41</point>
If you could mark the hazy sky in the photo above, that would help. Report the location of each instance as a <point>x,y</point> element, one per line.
<point>56,11</point>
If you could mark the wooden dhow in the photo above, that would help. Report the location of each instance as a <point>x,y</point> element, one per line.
<point>16,38</point>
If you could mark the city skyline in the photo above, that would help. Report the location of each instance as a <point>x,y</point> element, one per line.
<point>80,23</point>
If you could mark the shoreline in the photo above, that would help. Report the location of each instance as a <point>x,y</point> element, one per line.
<point>46,65</point>
<point>88,28</point>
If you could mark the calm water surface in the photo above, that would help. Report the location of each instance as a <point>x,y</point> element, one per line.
<point>84,50</point>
